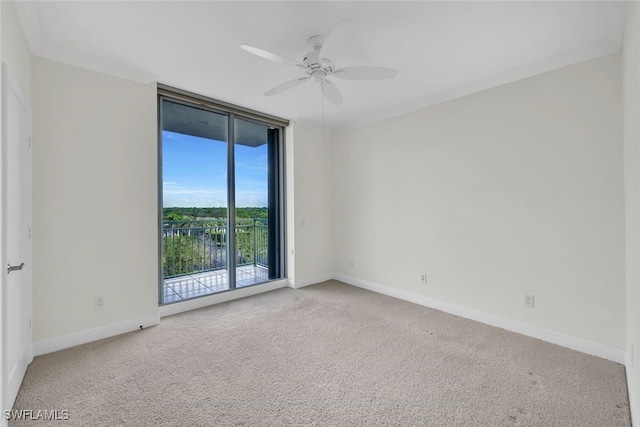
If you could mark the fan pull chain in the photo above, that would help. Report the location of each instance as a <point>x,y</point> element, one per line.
<point>322,85</point>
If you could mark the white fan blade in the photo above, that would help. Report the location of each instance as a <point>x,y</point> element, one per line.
<point>288,85</point>
<point>271,56</point>
<point>331,92</point>
<point>365,73</point>
<point>334,41</point>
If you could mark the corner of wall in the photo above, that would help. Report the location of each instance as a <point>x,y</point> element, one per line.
<point>631,99</point>
<point>309,205</point>
<point>290,201</point>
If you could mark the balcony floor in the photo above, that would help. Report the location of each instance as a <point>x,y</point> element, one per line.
<point>207,283</point>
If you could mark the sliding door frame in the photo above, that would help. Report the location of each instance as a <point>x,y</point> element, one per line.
<point>231,201</point>
<point>232,112</point>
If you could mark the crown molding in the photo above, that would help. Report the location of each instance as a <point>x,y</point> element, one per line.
<point>593,51</point>
<point>94,64</point>
<point>612,43</point>
<point>28,16</point>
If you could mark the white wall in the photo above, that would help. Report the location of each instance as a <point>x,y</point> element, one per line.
<point>518,189</point>
<point>309,196</point>
<point>95,200</point>
<point>631,77</point>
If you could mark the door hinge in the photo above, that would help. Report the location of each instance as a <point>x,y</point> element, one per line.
<point>29,233</point>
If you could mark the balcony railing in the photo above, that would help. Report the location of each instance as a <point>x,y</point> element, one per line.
<point>190,247</point>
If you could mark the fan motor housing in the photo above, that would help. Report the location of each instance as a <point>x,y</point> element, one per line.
<point>316,67</point>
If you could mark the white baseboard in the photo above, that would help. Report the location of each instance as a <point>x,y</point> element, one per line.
<point>55,344</point>
<point>296,284</point>
<point>578,344</point>
<point>192,304</point>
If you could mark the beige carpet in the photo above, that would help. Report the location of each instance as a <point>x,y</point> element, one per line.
<point>325,355</point>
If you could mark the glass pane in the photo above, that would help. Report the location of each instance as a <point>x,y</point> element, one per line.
<point>194,202</point>
<point>256,202</point>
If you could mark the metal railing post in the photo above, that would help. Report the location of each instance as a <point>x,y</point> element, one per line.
<point>255,246</point>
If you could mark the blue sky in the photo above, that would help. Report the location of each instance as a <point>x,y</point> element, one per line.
<point>195,172</point>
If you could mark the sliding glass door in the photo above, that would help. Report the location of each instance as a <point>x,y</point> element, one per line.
<point>221,200</point>
<point>256,201</point>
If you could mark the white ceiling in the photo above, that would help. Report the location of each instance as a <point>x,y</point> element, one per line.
<point>442,50</point>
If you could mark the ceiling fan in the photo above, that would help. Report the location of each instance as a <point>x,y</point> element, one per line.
<point>319,68</point>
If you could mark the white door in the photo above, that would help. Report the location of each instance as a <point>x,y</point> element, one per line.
<point>17,346</point>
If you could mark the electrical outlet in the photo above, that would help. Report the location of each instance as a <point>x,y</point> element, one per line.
<point>98,303</point>
<point>529,301</point>
<point>423,278</point>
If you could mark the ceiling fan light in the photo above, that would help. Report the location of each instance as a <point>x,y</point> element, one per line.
<point>318,75</point>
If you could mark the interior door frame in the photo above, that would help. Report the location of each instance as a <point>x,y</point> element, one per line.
<point>10,84</point>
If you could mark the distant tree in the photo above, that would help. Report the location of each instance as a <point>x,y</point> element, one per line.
<point>173,216</point>
<point>189,214</point>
